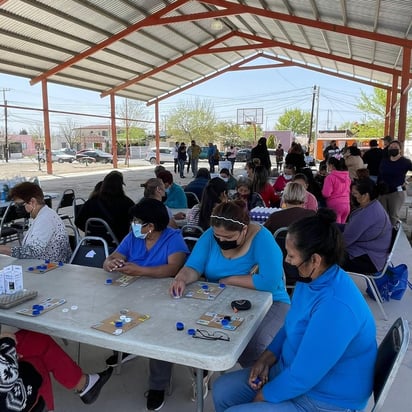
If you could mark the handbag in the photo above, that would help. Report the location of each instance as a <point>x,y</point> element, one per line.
<point>393,284</point>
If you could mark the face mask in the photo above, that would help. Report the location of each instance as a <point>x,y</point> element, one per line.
<point>226,244</point>
<point>225,179</point>
<point>167,190</point>
<point>287,177</point>
<point>393,152</point>
<point>137,231</point>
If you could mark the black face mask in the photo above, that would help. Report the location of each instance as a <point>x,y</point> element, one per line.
<point>226,244</point>
<point>393,152</point>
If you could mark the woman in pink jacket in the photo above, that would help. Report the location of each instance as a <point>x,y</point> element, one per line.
<point>336,188</point>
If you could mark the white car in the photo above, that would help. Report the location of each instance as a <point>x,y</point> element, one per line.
<point>58,156</point>
<point>166,155</point>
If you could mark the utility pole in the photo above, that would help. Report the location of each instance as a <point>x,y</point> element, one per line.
<point>311,116</point>
<point>6,143</point>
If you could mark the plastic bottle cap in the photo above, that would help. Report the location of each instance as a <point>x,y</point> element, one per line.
<point>65,310</point>
<point>224,322</point>
<point>109,281</point>
<point>35,312</point>
<point>205,287</point>
<point>118,324</point>
<point>47,261</point>
<point>40,307</point>
<point>30,268</point>
<point>122,317</point>
<point>222,285</point>
<point>127,320</point>
<point>191,332</point>
<point>180,326</point>
<point>61,263</point>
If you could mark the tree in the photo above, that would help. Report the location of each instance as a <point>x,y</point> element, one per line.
<point>67,130</point>
<point>193,119</point>
<point>296,120</point>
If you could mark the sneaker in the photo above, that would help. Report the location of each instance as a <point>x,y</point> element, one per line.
<point>93,393</point>
<point>155,399</point>
<point>206,378</point>
<point>112,360</point>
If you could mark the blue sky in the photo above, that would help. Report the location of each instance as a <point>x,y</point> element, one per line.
<point>274,90</point>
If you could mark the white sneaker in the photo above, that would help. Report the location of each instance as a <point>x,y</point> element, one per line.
<point>206,379</point>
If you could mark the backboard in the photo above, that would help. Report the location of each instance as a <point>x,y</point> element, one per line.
<point>252,116</point>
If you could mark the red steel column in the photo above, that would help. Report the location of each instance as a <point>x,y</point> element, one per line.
<point>113,120</point>
<point>46,123</point>
<point>157,135</point>
<point>406,68</point>
<point>394,96</point>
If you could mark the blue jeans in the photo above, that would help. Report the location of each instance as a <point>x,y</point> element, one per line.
<point>232,393</point>
<point>181,166</point>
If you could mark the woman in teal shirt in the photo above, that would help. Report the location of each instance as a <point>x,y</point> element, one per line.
<point>239,253</point>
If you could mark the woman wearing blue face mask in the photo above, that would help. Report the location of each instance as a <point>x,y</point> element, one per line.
<point>155,250</point>
<point>151,248</point>
<point>323,357</point>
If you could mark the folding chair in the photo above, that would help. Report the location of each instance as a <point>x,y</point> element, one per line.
<point>371,277</point>
<point>11,229</point>
<point>192,199</point>
<point>291,272</point>
<point>391,352</point>
<point>191,234</point>
<point>65,202</point>
<point>78,202</point>
<point>96,226</point>
<point>90,251</point>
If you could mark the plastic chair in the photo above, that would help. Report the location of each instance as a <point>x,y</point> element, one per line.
<point>291,272</point>
<point>370,277</point>
<point>96,226</point>
<point>391,352</point>
<point>192,199</point>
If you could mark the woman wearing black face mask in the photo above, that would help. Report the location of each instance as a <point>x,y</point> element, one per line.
<point>323,357</point>
<point>236,252</point>
<point>392,173</point>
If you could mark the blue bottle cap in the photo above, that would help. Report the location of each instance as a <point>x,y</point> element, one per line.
<point>224,322</point>
<point>39,266</point>
<point>191,332</point>
<point>47,261</point>
<point>30,268</point>
<point>35,307</point>
<point>40,307</point>
<point>61,263</point>
<point>222,285</point>
<point>180,326</point>
<point>118,324</point>
<point>35,312</point>
<point>109,281</point>
<point>205,287</point>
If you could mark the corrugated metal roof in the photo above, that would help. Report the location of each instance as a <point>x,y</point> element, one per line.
<point>360,39</point>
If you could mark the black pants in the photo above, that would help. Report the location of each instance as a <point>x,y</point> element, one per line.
<point>359,264</point>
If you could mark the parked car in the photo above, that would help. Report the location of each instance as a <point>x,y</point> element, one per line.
<point>243,155</point>
<point>96,154</point>
<point>166,155</point>
<point>58,156</point>
<point>203,154</point>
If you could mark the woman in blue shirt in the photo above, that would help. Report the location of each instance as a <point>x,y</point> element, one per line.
<point>155,250</point>
<point>323,357</point>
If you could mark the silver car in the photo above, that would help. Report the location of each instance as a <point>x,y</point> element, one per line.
<point>166,155</point>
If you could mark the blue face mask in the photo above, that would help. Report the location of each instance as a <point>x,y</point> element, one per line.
<point>137,231</point>
<point>167,190</point>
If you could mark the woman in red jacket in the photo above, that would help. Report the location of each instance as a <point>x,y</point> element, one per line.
<point>263,187</point>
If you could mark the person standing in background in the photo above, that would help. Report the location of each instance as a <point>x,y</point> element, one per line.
<point>372,158</point>
<point>386,142</point>
<point>194,157</point>
<point>260,151</point>
<point>279,153</point>
<point>175,157</point>
<point>231,156</point>
<point>181,157</point>
<point>211,157</point>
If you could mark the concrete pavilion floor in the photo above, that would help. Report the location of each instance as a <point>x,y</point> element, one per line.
<point>125,392</point>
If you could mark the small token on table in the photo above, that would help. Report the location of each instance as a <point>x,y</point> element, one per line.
<point>74,307</point>
<point>118,332</point>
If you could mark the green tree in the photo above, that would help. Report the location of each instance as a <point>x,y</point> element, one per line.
<point>296,120</point>
<point>193,119</point>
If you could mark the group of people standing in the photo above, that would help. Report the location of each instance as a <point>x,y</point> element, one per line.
<point>183,154</point>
